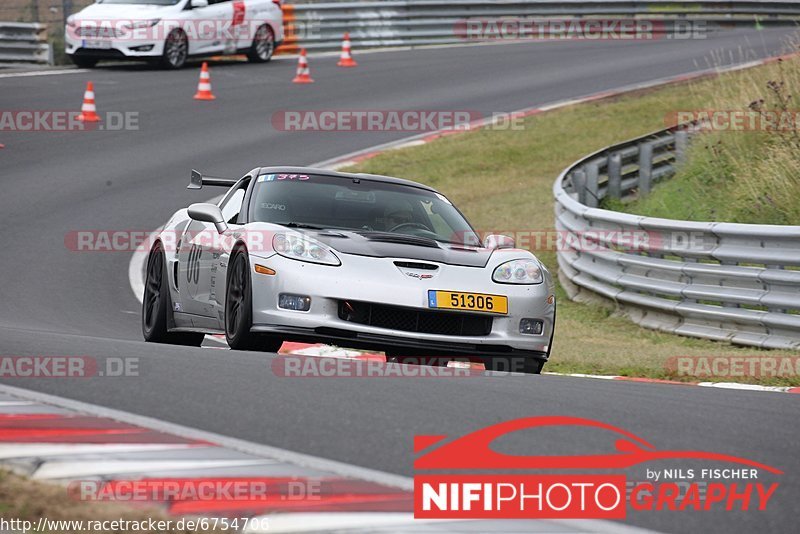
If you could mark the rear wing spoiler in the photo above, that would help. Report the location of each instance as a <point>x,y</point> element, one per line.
<point>197,181</point>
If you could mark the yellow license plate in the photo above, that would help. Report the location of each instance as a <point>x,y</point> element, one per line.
<point>453,300</point>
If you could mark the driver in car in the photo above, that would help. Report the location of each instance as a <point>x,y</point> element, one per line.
<point>398,214</point>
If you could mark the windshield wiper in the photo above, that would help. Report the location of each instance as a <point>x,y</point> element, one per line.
<point>300,225</point>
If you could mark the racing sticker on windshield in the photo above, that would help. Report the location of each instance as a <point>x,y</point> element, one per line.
<point>280,177</point>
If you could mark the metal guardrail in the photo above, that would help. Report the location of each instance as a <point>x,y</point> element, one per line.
<point>388,23</point>
<point>26,42</point>
<point>722,281</point>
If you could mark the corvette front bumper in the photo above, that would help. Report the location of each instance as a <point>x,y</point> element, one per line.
<point>380,281</point>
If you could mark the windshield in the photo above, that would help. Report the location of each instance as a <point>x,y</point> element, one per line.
<point>145,2</point>
<point>359,205</point>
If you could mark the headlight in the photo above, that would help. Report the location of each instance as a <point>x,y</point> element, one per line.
<point>71,21</point>
<point>518,272</point>
<point>300,247</point>
<point>137,24</point>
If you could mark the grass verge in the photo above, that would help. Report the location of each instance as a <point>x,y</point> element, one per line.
<point>502,180</point>
<point>28,500</point>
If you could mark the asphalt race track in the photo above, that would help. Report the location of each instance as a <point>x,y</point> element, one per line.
<point>59,302</point>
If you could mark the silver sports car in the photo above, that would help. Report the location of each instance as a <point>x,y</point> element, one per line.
<point>356,260</point>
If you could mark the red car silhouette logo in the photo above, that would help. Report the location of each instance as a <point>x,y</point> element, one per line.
<point>473,451</point>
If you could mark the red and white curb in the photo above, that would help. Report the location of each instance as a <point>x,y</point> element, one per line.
<point>67,442</point>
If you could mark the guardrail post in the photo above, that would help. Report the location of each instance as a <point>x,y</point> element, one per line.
<point>681,143</point>
<point>614,176</point>
<point>579,183</point>
<point>592,173</point>
<point>645,168</point>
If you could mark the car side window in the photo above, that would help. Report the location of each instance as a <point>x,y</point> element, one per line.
<point>233,205</point>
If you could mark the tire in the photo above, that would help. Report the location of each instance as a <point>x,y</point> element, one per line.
<point>552,334</point>
<point>83,62</point>
<point>239,309</point>
<point>176,50</point>
<point>156,304</point>
<point>529,365</point>
<point>263,46</point>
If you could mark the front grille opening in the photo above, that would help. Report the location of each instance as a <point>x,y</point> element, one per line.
<point>414,320</point>
<point>416,265</point>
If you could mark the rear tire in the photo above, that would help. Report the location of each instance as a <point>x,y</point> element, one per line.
<point>239,309</point>
<point>263,46</point>
<point>156,304</point>
<point>83,62</point>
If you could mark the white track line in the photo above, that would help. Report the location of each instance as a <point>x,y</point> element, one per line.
<point>55,72</point>
<point>40,450</point>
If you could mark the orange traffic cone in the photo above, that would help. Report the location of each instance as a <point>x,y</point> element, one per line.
<point>346,60</point>
<point>303,72</point>
<point>204,85</point>
<point>88,109</point>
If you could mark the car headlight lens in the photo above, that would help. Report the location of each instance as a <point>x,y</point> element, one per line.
<point>71,21</point>
<point>518,272</point>
<point>137,24</point>
<point>303,248</point>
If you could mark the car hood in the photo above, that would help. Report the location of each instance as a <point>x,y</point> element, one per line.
<point>385,245</point>
<point>124,11</point>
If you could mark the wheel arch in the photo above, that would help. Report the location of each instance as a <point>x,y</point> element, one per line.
<point>239,247</point>
<point>168,271</point>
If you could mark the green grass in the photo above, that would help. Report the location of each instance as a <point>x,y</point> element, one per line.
<point>739,176</point>
<point>502,180</point>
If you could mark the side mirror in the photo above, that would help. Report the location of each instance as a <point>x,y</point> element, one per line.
<point>498,241</point>
<point>198,3</point>
<point>208,213</point>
